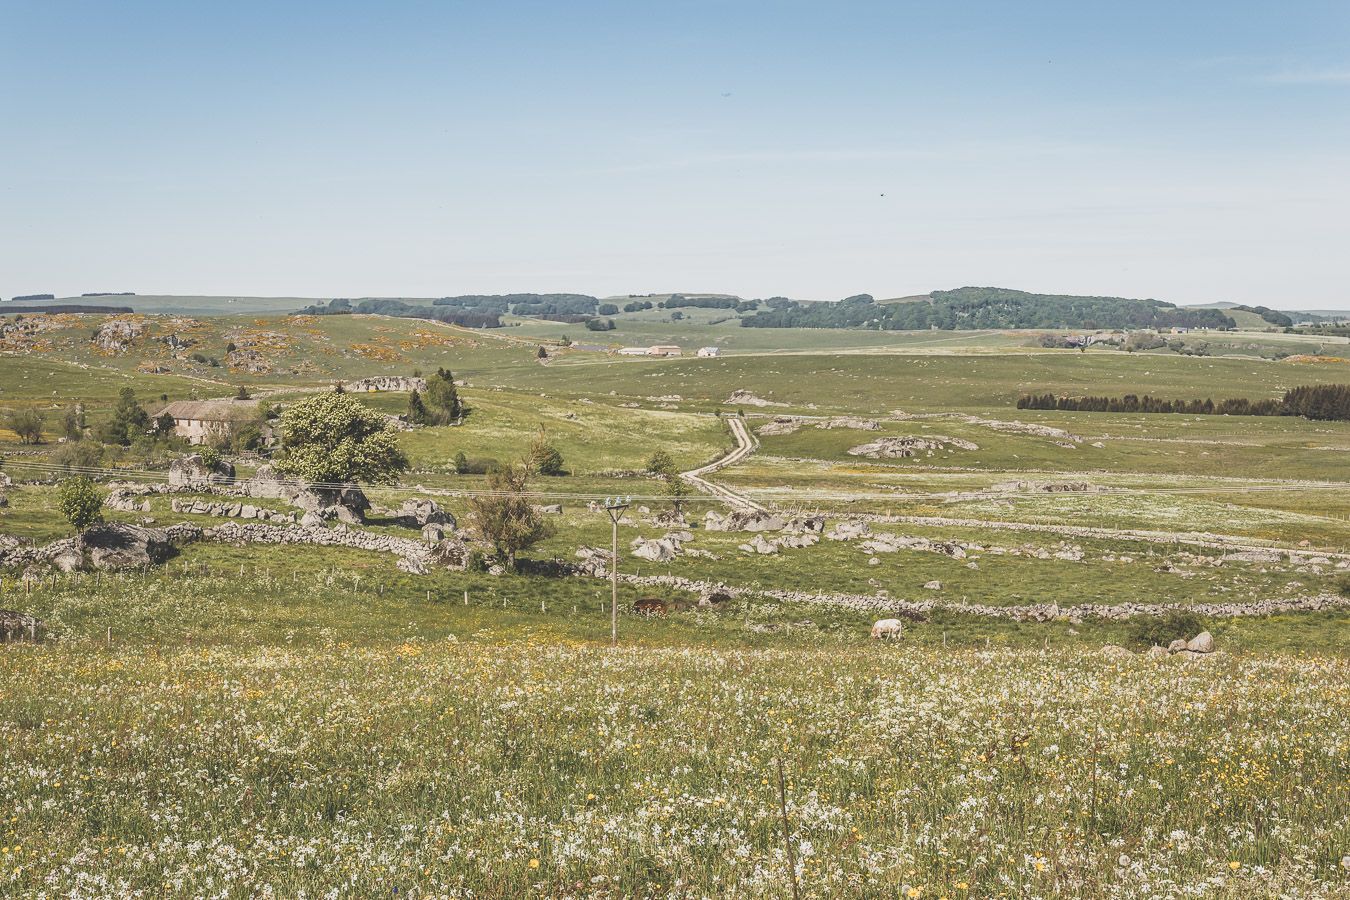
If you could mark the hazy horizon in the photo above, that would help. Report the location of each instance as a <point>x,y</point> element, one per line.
<point>1193,154</point>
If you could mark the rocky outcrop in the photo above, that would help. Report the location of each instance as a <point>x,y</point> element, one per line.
<point>109,546</point>
<point>116,335</point>
<point>906,447</point>
<point>421,512</point>
<point>743,520</point>
<point>346,503</point>
<point>745,398</point>
<point>403,383</point>
<point>193,472</point>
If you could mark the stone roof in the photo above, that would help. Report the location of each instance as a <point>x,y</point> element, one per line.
<point>210,410</point>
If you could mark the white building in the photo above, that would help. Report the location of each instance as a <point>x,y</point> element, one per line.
<point>633,351</point>
<point>709,351</point>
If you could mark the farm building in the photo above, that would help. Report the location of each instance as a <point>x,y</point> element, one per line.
<point>708,352</point>
<point>199,420</point>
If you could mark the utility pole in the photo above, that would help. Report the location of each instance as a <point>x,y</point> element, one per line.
<point>615,507</point>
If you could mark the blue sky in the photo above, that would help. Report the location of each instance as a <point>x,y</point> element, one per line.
<point>1186,151</point>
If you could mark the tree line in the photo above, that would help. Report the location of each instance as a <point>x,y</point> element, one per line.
<point>1324,402</point>
<point>986,308</point>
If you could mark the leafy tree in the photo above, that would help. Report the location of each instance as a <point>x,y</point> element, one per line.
<point>27,424</point>
<point>332,438</point>
<point>461,463</point>
<point>242,393</point>
<point>417,410</point>
<point>541,353</point>
<point>608,309</point>
<point>677,489</point>
<point>660,463</point>
<point>442,398</point>
<point>164,425</point>
<point>129,420</point>
<point>662,466</point>
<point>80,502</point>
<point>545,458</point>
<point>505,516</point>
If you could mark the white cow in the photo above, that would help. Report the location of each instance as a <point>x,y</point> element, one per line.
<point>891,628</point>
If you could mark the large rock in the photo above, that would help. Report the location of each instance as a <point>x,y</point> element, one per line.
<point>849,529</point>
<point>192,472</point>
<point>1201,643</point>
<point>659,550</point>
<point>118,546</point>
<point>425,512</point>
<point>1114,652</point>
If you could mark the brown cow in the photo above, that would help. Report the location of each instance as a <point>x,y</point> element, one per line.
<point>650,606</point>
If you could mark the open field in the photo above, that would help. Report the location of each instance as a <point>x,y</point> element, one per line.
<point>308,731</point>
<point>253,720</point>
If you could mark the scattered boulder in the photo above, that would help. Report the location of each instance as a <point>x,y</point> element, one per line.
<point>743,520</point>
<point>933,586</point>
<point>760,545</point>
<point>1201,643</point>
<point>1113,651</point>
<point>1157,652</point>
<point>425,512</point>
<point>848,529</point>
<point>658,550</point>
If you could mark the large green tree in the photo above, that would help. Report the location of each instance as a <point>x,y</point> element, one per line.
<point>442,398</point>
<point>129,420</point>
<point>332,438</point>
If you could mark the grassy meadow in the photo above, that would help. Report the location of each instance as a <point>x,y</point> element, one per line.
<point>288,721</point>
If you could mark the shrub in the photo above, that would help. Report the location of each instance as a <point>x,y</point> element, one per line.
<point>80,502</point>
<point>210,457</point>
<point>1147,631</point>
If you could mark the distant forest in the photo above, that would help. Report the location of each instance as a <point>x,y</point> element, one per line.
<point>471,310</point>
<point>8,309</point>
<point>1324,402</point>
<point>986,307</point>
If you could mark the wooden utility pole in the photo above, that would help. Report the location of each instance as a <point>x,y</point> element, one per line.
<point>615,507</point>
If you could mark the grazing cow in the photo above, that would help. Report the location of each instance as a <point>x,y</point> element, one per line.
<point>891,628</point>
<point>650,606</point>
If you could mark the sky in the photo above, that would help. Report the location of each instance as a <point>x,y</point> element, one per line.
<point>1190,151</point>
